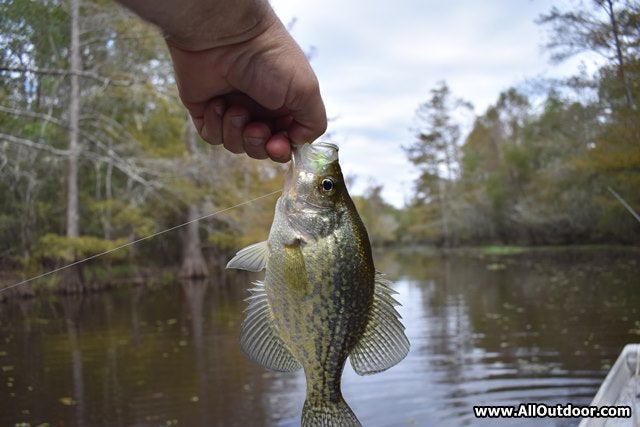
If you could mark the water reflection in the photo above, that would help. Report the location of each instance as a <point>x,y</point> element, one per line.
<point>71,310</point>
<point>541,327</point>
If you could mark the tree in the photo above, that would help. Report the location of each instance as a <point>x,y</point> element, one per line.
<point>436,151</point>
<point>556,205</point>
<point>380,218</point>
<point>46,131</point>
<point>73,275</point>
<point>193,263</point>
<point>539,175</point>
<point>495,165</point>
<point>607,27</point>
<point>115,154</point>
<point>23,102</point>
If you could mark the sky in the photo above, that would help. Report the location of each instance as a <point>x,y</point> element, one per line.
<point>377,61</point>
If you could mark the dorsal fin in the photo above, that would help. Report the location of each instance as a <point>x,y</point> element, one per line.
<point>252,258</point>
<point>260,339</point>
<point>383,342</point>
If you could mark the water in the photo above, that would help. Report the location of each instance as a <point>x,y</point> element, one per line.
<point>541,327</point>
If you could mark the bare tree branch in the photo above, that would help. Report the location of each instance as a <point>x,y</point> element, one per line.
<point>106,81</point>
<point>33,115</point>
<point>130,169</point>
<point>31,144</point>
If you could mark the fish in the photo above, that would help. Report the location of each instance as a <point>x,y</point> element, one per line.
<point>322,300</point>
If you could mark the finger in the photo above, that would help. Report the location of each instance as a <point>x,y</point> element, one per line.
<point>255,135</point>
<point>278,148</point>
<point>233,123</point>
<point>210,125</point>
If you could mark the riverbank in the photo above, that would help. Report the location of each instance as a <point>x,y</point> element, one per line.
<point>17,284</point>
<point>506,250</point>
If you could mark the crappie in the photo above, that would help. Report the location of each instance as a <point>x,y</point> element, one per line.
<point>321,300</point>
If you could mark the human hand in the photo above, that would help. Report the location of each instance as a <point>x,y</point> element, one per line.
<point>257,96</point>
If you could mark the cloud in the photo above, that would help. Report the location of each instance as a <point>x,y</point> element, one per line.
<point>377,61</point>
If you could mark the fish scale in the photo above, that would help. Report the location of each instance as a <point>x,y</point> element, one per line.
<point>321,301</point>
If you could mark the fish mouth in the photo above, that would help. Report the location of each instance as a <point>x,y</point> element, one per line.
<point>325,144</point>
<point>319,144</point>
<point>315,156</point>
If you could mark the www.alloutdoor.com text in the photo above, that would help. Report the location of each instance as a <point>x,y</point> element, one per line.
<point>541,410</point>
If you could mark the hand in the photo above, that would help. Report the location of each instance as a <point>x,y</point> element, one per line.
<point>257,96</point>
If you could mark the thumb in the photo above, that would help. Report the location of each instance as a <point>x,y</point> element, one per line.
<point>308,114</point>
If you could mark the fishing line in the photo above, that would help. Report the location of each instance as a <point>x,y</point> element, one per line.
<point>624,203</point>
<point>136,241</point>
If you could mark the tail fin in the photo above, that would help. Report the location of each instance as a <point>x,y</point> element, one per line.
<point>328,414</point>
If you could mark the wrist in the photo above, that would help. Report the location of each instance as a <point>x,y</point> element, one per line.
<point>196,25</point>
<point>217,26</point>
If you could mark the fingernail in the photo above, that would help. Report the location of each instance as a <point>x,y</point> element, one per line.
<point>239,121</point>
<point>219,109</point>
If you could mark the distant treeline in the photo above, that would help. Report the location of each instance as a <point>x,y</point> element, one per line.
<point>536,169</point>
<point>96,150</point>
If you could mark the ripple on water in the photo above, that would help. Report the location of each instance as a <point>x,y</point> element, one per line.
<point>541,330</point>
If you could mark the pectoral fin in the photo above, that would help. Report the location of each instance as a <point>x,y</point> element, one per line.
<point>260,339</point>
<point>252,258</point>
<point>383,343</point>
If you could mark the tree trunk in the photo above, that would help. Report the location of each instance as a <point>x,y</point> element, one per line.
<point>444,212</point>
<point>193,263</point>
<point>72,279</point>
<point>74,114</point>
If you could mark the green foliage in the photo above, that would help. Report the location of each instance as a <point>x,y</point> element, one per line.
<point>69,249</point>
<point>539,174</point>
<point>380,218</point>
<point>436,154</point>
<point>125,218</point>
<point>224,241</point>
<point>140,169</point>
<point>420,222</point>
<point>524,174</point>
<point>541,177</point>
<point>502,250</point>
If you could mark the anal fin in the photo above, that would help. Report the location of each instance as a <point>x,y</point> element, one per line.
<point>383,343</point>
<point>259,338</point>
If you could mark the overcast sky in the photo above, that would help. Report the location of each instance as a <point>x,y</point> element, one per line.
<point>377,60</point>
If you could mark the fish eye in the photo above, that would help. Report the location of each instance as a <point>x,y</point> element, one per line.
<point>328,184</point>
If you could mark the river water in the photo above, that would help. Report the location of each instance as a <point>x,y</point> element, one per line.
<point>539,327</point>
